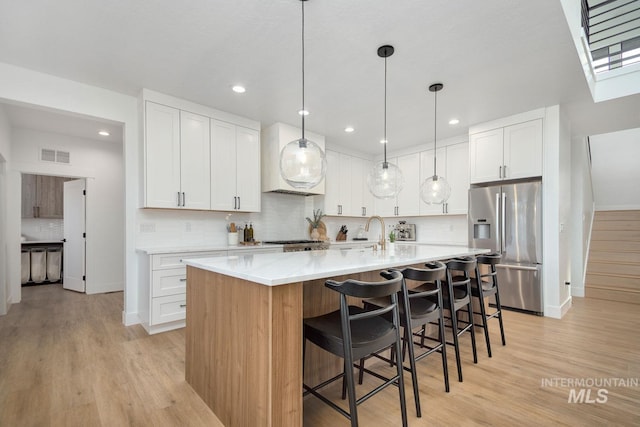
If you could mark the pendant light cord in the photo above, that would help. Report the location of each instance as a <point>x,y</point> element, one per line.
<point>385,165</point>
<point>435,141</point>
<point>303,110</point>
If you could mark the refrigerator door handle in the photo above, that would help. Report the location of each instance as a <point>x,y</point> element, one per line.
<point>504,220</point>
<point>498,235</point>
<point>517,267</point>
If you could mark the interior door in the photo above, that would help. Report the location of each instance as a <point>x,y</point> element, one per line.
<point>74,236</point>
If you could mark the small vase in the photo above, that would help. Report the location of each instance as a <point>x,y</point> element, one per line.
<point>315,234</point>
<point>232,239</point>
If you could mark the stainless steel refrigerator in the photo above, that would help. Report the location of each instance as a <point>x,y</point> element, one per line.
<point>508,219</point>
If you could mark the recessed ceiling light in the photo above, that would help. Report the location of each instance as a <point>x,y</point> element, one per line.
<point>454,121</point>
<point>104,133</point>
<point>238,89</point>
<point>349,129</point>
<point>303,112</point>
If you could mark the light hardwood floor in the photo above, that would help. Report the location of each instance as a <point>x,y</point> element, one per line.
<point>66,360</point>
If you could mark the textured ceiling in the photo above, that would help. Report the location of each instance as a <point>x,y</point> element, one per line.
<point>495,57</point>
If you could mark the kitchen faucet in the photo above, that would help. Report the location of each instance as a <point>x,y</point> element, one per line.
<point>382,238</point>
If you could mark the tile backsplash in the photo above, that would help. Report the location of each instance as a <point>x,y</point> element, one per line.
<point>282,217</point>
<point>42,229</point>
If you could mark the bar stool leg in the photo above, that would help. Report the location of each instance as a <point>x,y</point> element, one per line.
<point>408,335</point>
<point>473,329</point>
<point>483,314</point>
<point>454,330</point>
<point>443,340</point>
<point>497,295</point>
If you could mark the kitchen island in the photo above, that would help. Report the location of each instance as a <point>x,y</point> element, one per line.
<point>244,324</point>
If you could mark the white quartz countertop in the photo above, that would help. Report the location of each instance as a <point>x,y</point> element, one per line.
<point>273,269</point>
<point>203,248</point>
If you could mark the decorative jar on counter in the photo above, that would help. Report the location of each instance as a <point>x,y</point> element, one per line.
<point>232,238</point>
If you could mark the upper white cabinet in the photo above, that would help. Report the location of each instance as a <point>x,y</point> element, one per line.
<point>196,157</point>
<point>407,203</point>
<point>338,191</point>
<point>176,158</point>
<point>346,192</point>
<point>361,197</point>
<point>453,165</point>
<point>235,167</point>
<point>273,140</point>
<point>509,152</point>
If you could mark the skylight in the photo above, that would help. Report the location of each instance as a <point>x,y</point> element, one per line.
<point>612,28</point>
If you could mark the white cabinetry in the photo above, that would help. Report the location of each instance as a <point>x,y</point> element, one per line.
<point>163,285</point>
<point>346,191</point>
<point>407,203</point>
<point>361,197</point>
<point>235,167</point>
<point>453,166</point>
<point>163,299</point>
<point>509,152</point>
<point>273,140</point>
<point>176,158</point>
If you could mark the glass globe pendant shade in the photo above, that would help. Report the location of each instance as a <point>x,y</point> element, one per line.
<point>435,190</point>
<point>385,180</point>
<point>302,163</point>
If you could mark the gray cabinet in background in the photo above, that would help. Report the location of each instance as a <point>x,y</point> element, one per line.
<point>42,196</point>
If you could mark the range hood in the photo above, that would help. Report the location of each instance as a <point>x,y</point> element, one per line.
<point>272,140</point>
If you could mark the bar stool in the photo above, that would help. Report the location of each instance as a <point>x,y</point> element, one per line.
<point>421,312</point>
<point>457,295</point>
<point>488,287</point>
<point>353,333</point>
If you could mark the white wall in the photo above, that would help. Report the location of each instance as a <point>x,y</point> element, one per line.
<point>4,156</point>
<point>102,164</point>
<point>582,213</point>
<point>556,199</point>
<point>38,89</point>
<point>615,169</point>
<point>564,206</point>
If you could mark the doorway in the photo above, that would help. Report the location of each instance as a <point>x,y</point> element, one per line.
<point>99,162</point>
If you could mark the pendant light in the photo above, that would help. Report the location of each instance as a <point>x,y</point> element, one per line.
<point>302,162</point>
<point>435,190</point>
<point>385,179</point>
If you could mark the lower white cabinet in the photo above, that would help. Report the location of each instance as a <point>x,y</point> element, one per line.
<point>163,289</point>
<point>163,302</point>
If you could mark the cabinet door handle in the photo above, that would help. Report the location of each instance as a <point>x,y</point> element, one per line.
<point>500,171</point>
<point>179,200</point>
<point>184,199</point>
<point>235,202</point>
<point>238,202</point>
<point>183,305</point>
<point>504,171</point>
<point>184,279</point>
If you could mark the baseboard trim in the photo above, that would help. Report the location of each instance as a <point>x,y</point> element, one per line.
<point>129,319</point>
<point>558,311</point>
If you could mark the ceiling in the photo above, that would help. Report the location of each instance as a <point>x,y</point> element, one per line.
<point>495,57</point>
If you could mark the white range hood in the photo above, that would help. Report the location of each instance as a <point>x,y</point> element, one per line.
<point>272,140</point>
